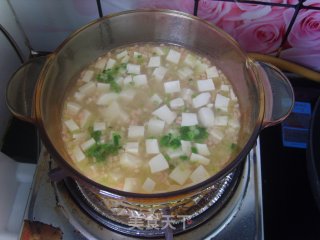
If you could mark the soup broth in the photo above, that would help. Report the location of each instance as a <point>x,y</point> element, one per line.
<point>151,118</point>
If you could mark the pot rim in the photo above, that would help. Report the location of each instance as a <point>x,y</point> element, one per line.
<point>107,191</point>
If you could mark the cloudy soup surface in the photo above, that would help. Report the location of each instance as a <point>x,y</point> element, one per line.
<point>151,118</point>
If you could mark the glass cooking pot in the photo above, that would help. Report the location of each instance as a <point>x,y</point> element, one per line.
<point>37,90</point>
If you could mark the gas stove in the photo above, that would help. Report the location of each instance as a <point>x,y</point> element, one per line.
<point>240,217</point>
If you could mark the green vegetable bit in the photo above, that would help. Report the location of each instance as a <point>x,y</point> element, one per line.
<point>233,146</point>
<point>184,157</point>
<point>194,150</point>
<point>170,141</point>
<point>101,151</point>
<point>96,135</point>
<point>194,133</point>
<point>109,76</point>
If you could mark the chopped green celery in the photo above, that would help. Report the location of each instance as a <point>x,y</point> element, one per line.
<point>96,135</point>
<point>184,157</point>
<point>166,156</point>
<point>193,133</point>
<point>194,150</point>
<point>170,141</point>
<point>109,76</point>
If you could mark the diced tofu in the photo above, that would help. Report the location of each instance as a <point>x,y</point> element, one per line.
<point>133,68</point>
<point>135,131</point>
<point>159,73</point>
<point>175,153</point>
<point>79,96</point>
<point>201,100</point>
<point>148,185</point>
<point>221,121</point>
<point>186,94</point>
<point>71,125</point>
<point>87,76</point>
<point>130,184</point>
<point>216,134</point>
<point>173,56</point>
<point>114,113</point>
<point>156,99</point>
<point>199,174</point>
<point>172,86</point>
<point>152,146</point>
<point>132,147</point>
<point>165,114</point>
<point>73,108</point>
<point>205,85</point>
<point>202,149</point>
<point>190,60</point>
<point>158,163</point>
<point>233,95</point>
<point>101,63</point>
<point>206,116</point>
<point>154,62</point>
<point>103,86</point>
<point>130,161</point>
<point>99,126</point>
<point>199,158</point>
<point>222,102</point>
<point>87,88</point>
<point>78,155</point>
<point>80,136</point>
<point>84,117</point>
<point>122,54</point>
<point>189,119</point>
<point>127,95</point>
<point>111,62</point>
<point>186,147</point>
<point>185,72</point>
<point>180,174</point>
<point>225,87</point>
<point>155,127</point>
<point>140,80</point>
<point>87,144</point>
<point>107,98</point>
<point>158,51</point>
<point>176,103</point>
<point>212,72</point>
<point>127,80</point>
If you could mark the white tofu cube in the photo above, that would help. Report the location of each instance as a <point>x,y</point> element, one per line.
<point>99,126</point>
<point>185,72</point>
<point>128,80</point>
<point>186,147</point>
<point>202,149</point>
<point>78,155</point>
<point>133,68</point>
<point>71,125</point>
<point>87,144</point>
<point>130,161</point>
<point>165,114</point>
<point>206,116</point>
<point>87,88</point>
<point>225,87</point>
<point>148,185</point>
<point>173,56</point>
<point>127,95</point>
<point>101,63</point>
<point>132,147</point>
<point>79,96</point>
<point>176,103</point>
<point>158,51</point>
<point>155,127</point>
<point>180,174</point>
<point>158,163</point>
<point>130,184</point>
<point>122,54</point>
<point>107,98</point>
<point>221,102</point>
<point>199,174</point>
<point>125,59</point>
<point>159,73</point>
<point>103,86</point>
<point>84,116</point>
<point>87,76</point>
<point>172,86</point>
<point>205,85</point>
<point>217,134</point>
<point>189,119</point>
<point>114,113</point>
<point>135,131</point>
<point>212,72</point>
<point>186,94</point>
<point>221,121</point>
<point>154,62</point>
<point>152,146</point>
<point>199,158</point>
<point>156,99</point>
<point>175,153</point>
<point>233,95</point>
<point>111,62</point>
<point>73,108</point>
<point>201,100</point>
<point>190,60</point>
<point>140,80</point>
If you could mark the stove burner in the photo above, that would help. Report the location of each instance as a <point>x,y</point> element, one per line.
<point>137,220</point>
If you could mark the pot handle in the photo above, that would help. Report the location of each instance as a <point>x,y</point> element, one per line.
<point>20,89</point>
<point>279,95</point>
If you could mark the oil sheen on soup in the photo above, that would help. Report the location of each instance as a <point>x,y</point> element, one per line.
<point>151,118</point>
